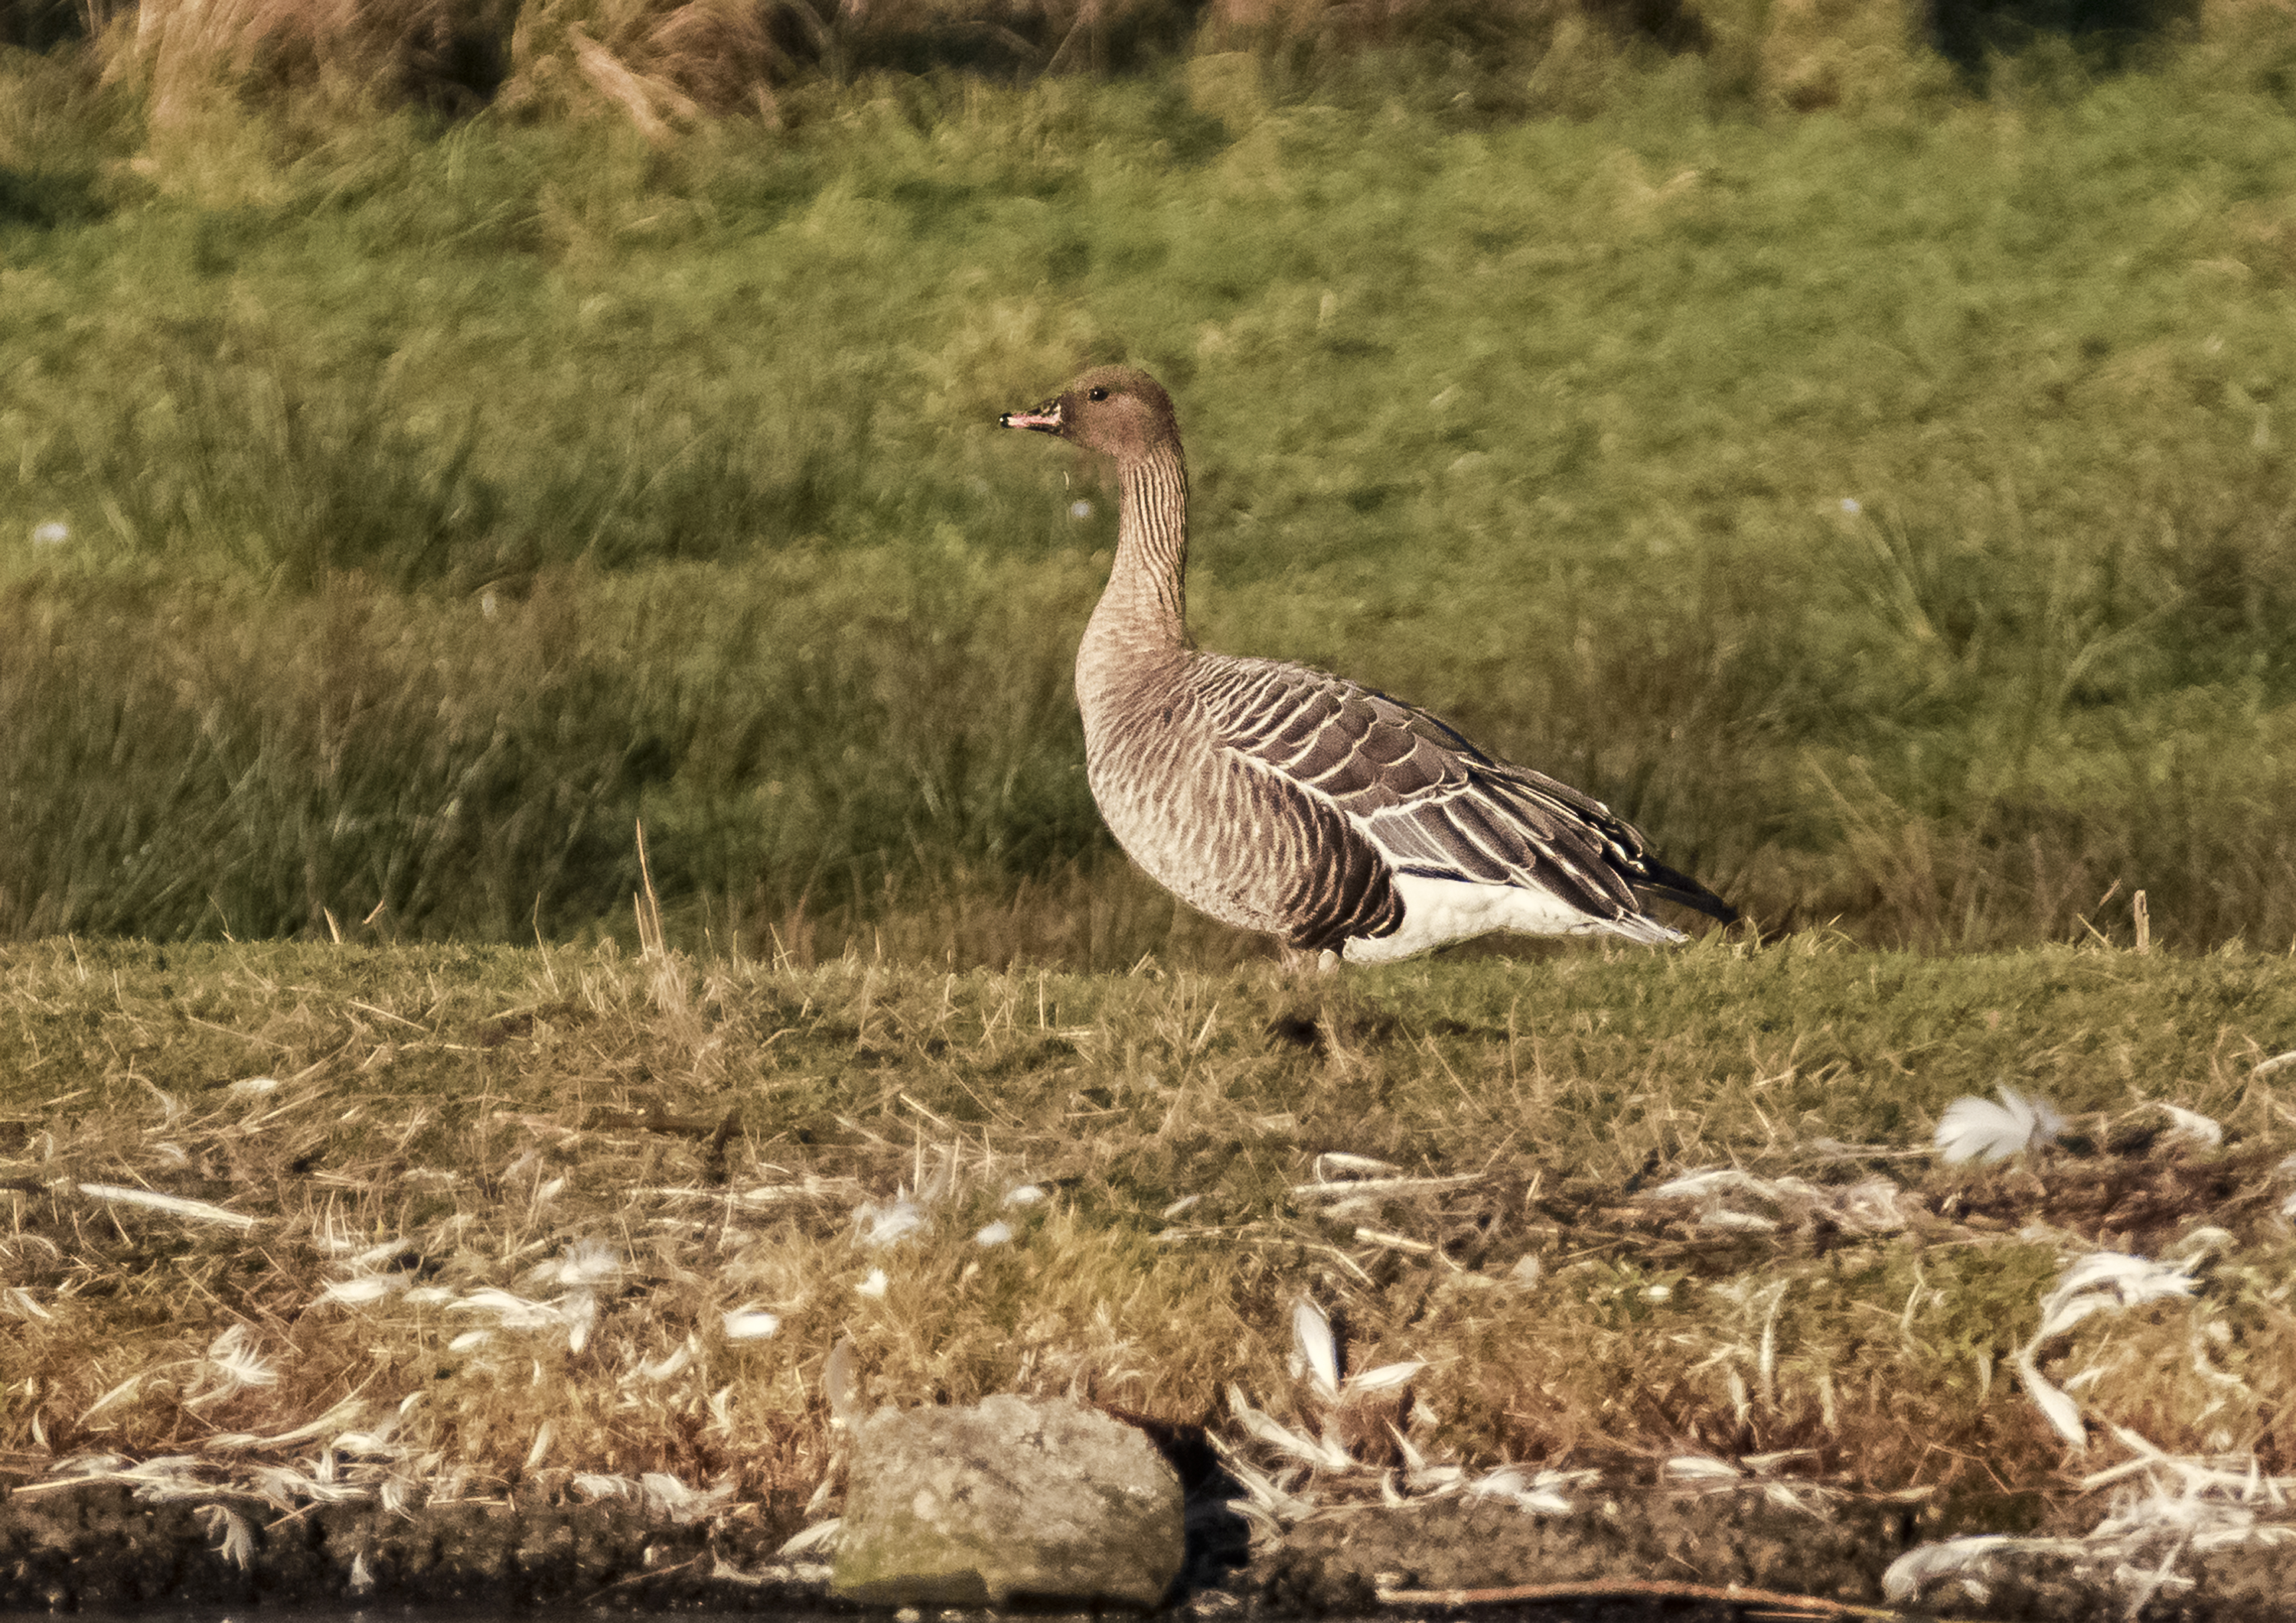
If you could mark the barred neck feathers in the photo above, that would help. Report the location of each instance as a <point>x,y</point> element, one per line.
<point>1145,607</point>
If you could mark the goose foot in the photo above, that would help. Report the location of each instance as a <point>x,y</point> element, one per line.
<point>1303,961</point>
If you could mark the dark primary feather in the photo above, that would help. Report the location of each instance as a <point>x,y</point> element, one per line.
<point>1433,802</point>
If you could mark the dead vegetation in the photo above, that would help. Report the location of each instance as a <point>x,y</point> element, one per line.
<point>668,66</point>
<point>295,1223</point>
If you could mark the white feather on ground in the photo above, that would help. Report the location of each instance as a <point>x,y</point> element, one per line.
<point>1976,1129</point>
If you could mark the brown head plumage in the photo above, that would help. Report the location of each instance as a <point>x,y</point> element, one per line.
<point>1117,411</point>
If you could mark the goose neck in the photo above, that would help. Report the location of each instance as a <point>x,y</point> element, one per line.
<point>1147,588</point>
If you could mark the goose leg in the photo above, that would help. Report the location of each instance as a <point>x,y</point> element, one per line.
<point>1303,961</point>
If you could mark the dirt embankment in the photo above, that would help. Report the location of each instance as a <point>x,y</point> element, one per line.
<point>95,1548</point>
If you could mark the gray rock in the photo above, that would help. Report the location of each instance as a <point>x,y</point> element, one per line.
<point>1019,1496</point>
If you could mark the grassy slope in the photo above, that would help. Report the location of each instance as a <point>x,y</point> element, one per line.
<point>710,424</point>
<point>473,1111</point>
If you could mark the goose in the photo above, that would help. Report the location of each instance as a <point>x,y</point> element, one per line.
<point>1286,800</point>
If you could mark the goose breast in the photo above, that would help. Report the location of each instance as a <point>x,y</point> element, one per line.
<point>1213,824</point>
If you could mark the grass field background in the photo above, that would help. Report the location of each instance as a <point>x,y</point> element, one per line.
<point>1880,492</point>
<point>434,441</point>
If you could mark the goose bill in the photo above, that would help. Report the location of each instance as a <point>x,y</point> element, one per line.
<point>1045,419</point>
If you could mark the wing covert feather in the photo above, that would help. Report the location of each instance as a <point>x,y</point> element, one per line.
<point>1429,800</point>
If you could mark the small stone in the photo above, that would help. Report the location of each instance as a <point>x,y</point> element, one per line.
<point>1018,1497</point>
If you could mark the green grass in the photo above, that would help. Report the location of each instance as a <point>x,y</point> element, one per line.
<point>443,499</point>
<point>474,1111</point>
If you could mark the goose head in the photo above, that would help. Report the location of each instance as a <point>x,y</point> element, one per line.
<point>1114,410</point>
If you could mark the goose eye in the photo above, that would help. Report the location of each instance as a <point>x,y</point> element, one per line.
<point>1095,394</point>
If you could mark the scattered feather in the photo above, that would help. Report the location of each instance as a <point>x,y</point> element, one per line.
<point>581,1310</point>
<point>1385,1377</point>
<point>1264,1525</point>
<point>374,1444</point>
<point>1700,1184</point>
<point>166,1477</point>
<point>875,1285</point>
<point>875,1226</point>
<point>2058,1408</point>
<point>2100,1282</point>
<point>238,1543</point>
<point>594,1484</point>
<point>23,1304</point>
<point>1027,1194</point>
<point>587,1264</point>
<point>373,1256</point>
<point>1976,1129</point>
<point>994,1233</point>
<point>665,1495</point>
<point>1267,1501</point>
<point>287,1488</point>
<point>365,1289</point>
<point>724,1571</point>
<point>819,1538</point>
<point>122,1393</point>
<point>2135,1548</point>
<point>2206,1240</point>
<point>1311,1451</point>
<point>1317,1349</point>
<point>173,1205</point>
<point>2193,1127</point>
<point>87,1465</point>
<point>233,1365</point>
<point>1965,1557</point>
<point>2109,1279</point>
<point>1534,1495</point>
<point>750,1324</point>
<point>343,1414</point>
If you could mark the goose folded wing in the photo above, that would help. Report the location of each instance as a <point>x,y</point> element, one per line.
<point>1429,800</point>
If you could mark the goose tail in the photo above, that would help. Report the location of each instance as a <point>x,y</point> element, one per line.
<point>1656,879</point>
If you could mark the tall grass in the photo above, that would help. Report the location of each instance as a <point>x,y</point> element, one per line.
<point>1891,514</point>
